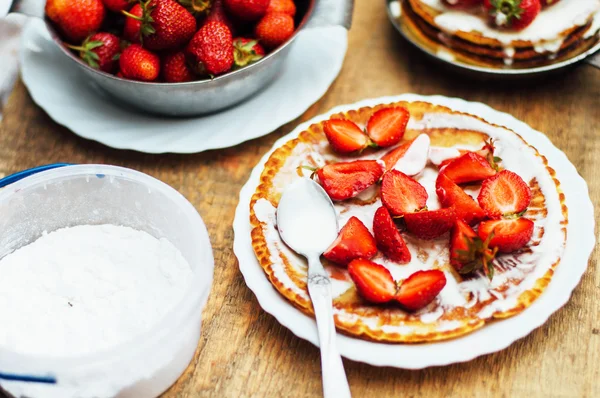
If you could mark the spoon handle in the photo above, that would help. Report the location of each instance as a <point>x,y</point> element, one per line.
<point>335,384</point>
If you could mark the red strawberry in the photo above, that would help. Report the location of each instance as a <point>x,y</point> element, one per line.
<point>137,63</point>
<point>76,19</point>
<point>165,24</point>
<point>462,3</point>
<point>100,51</point>
<point>347,179</point>
<point>247,10</point>
<point>196,7</point>
<point>285,6</point>
<point>388,238</point>
<point>468,252</point>
<point>246,51</point>
<point>175,69</point>
<point>132,26</point>
<point>345,136</point>
<point>391,158</point>
<point>354,241</point>
<point>211,49</point>
<point>274,29</point>
<point>117,5</point>
<point>470,167</point>
<point>386,127</point>
<point>509,235</point>
<point>402,194</point>
<point>430,224</point>
<point>504,194</point>
<point>420,289</point>
<point>218,14</point>
<point>373,281</point>
<point>451,195</point>
<point>512,14</point>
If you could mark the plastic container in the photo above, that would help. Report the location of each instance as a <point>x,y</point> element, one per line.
<point>148,364</point>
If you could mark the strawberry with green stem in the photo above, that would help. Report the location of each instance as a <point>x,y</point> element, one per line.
<point>246,51</point>
<point>512,14</point>
<point>100,51</point>
<point>468,252</point>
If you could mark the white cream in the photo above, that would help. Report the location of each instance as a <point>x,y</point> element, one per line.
<point>415,158</point>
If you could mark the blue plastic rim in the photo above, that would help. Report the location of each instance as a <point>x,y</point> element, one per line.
<point>3,183</point>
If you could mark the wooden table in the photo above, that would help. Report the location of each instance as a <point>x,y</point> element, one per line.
<point>245,352</point>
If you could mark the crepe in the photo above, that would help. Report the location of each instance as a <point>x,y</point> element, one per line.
<point>465,304</point>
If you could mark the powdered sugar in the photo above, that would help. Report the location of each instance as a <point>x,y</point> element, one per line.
<point>86,289</point>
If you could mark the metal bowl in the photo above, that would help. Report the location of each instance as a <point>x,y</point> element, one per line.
<point>202,96</point>
<point>394,8</point>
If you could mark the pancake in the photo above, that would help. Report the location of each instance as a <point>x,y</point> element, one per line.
<point>435,26</point>
<point>466,303</point>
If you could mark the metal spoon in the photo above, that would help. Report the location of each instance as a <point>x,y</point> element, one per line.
<point>307,223</point>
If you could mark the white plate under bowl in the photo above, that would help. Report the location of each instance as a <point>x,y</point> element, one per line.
<point>492,337</point>
<point>56,85</point>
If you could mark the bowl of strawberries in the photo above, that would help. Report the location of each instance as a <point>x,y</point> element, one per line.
<point>183,57</point>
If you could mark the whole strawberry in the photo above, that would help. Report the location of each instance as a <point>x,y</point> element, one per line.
<point>100,51</point>
<point>247,10</point>
<point>246,51</point>
<point>274,29</point>
<point>512,14</point>
<point>175,69</point>
<point>284,6</point>
<point>217,13</point>
<point>165,24</point>
<point>210,51</point>
<point>131,28</point>
<point>76,19</point>
<point>117,5</point>
<point>137,63</point>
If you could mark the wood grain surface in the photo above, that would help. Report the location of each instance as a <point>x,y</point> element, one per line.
<point>245,352</point>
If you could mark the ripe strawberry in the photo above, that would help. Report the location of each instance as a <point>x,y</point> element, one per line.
<point>285,6</point>
<point>391,158</point>
<point>247,10</point>
<point>175,69</point>
<point>246,51</point>
<point>354,241</point>
<point>468,252</point>
<point>274,29</point>
<point>345,180</point>
<point>386,127</point>
<point>388,238</point>
<point>211,49</point>
<point>430,224</point>
<point>196,7</point>
<point>100,51</point>
<point>218,14</point>
<point>451,195</point>
<point>345,136</point>
<point>132,26</point>
<point>512,14</point>
<point>470,167</point>
<point>401,194</point>
<point>504,194</point>
<point>165,24</point>
<point>509,235</point>
<point>462,3</point>
<point>420,289</point>
<point>137,63</point>
<point>373,281</point>
<point>117,5</point>
<point>76,19</point>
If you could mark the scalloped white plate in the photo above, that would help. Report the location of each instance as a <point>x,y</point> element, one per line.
<point>492,337</point>
<point>56,85</point>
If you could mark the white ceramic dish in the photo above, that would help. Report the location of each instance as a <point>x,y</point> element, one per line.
<point>491,338</point>
<point>55,85</point>
<point>148,364</point>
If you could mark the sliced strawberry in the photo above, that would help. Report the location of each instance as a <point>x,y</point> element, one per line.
<point>430,224</point>
<point>402,194</point>
<point>420,289</point>
<point>373,281</point>
<point>345,136</point>
<point>451,195</point>
<point>347,179</point>
<point>388,238</point>
<point>386,127</point>
<point>470,167</point>
<point>509,235</point>
<point>391,158</point>
<point>354,241</point>
<point>504,194</point>
<point>468,252</point>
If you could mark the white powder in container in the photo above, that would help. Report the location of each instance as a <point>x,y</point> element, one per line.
<point>87,288</point>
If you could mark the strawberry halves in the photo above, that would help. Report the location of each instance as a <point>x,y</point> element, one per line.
<point>345,136</point>
<point>468,252</point>
<point>388,238</point>
<point>430,224</point>
<point>401,194</point>
<point>420,289</point>
<point>507,235</point>
<point>470,167</point>
<point>345,180</point>
<point>386,127</point>
<point>451,195</point>
<point>354,241</point>
<point>504,194</point>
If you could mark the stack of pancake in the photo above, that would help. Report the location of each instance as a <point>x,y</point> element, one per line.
<point>560,31</point>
